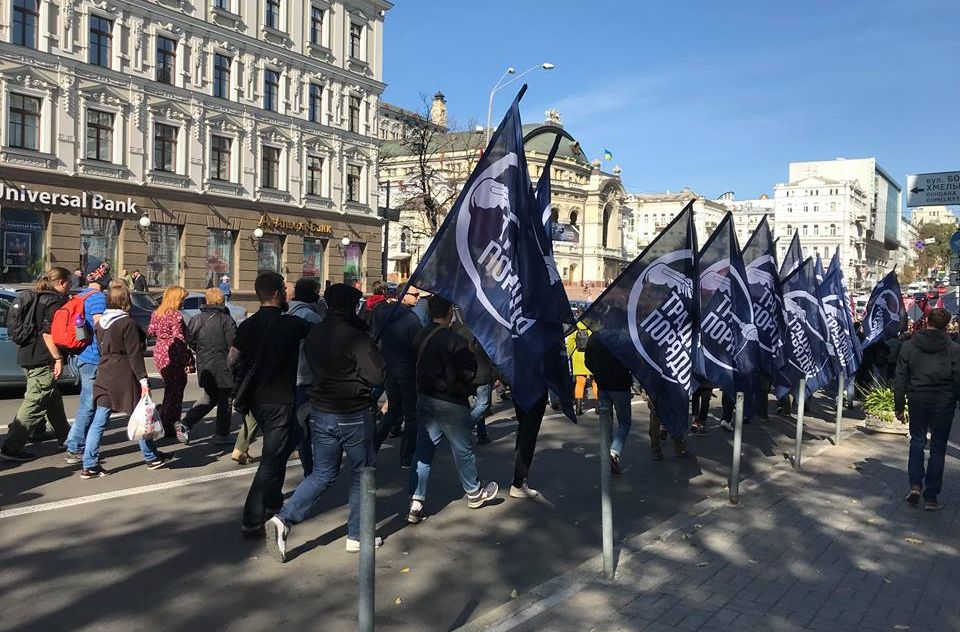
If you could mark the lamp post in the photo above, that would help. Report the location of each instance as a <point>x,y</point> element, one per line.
<point>501,84</point>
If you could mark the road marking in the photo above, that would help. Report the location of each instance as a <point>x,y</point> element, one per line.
<point>133,491</point>
<point>536,608</point>
<point>70,420</point>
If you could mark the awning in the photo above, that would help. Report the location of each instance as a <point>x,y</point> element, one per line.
<point>403,256</point>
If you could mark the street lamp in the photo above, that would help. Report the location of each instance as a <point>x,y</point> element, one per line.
<point>500,84</point>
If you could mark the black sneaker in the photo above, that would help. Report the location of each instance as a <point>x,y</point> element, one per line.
<point>157,463</point>
<point>913,498</point>
<point>256,531</point>
<point>615,464</point>
<point>656,453</point>
<point>17,456</point>
<point>183,433</point>
<point>94,472</point>
<point>72,458</point>
<point>414,516</point>
<point>932,504</point>
<point>404,463</point>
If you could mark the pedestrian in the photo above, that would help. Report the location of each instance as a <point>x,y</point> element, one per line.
<point>576,345</point>
<point>445,373</point>
<point>658,433</point>
<point>398,329</point>
<point>139,282</point>
<point>171,354</point>
<point>346,365</point>
<point>224,287</point>
<point>94,305</point>
<point>700,405</point>
<point>210,334</point>
<point>928,377</point>
<point>616,391</point>
<point>76,279</point>
<point>127,279</point>
<point>483,381</point>
<point>305,305</point>
<point>269,341</point>
<point>42,364</point>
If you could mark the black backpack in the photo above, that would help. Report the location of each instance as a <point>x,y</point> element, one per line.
<point>581,339</point>
<point>22,318</point>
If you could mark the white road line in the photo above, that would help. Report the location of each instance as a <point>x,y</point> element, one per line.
<point>536,608</point>
<point>133,491</point>
<point>73,419</point>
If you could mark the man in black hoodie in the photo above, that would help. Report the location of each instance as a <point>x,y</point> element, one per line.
<point>928,375</point>
<point>346,366</point>
<point>445,372</point>
<point>615,382</point>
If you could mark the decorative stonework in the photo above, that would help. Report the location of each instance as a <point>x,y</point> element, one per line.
<point>103,169</point>
<point>28,158</point>
<point>68,87</point>
<point>168,179</point>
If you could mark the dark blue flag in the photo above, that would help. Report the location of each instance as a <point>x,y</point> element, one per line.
<point>793,257</point>
<point>843,336</point>
<point>818,272</point>
<point>886,316</point>
<point>647,318</point>
<point>806,351</point>
<point>763,279</point>
<point>727,351</point>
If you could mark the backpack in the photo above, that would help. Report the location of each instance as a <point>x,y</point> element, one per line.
<point>581,339</point>
<point>63,328</point>
<point>22,318</point>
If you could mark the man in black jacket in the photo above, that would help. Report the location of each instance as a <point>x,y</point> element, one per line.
<point>616,383</point>
<point>445,374</point>
<point>928,375</point>
<point>346,365</point>
<point>483,381</point>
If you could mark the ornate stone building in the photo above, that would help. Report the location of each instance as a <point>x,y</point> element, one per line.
<point>191,139</point>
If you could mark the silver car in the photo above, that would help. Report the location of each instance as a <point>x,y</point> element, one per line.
<point>191,307</point>
<point>11,375</point>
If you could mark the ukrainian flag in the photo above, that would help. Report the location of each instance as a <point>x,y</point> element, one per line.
<point>607,155</point>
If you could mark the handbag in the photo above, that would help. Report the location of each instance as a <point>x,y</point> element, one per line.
<point>243,393</point>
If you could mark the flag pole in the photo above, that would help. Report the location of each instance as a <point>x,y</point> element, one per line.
<point>606,504</point>
<point>840,392</point>
<point>737,441</point>
<point>801,400</point>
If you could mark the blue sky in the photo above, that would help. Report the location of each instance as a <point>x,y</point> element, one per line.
<point>716,96</point>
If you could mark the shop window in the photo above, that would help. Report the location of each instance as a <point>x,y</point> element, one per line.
<point>221,76</point>
<point>101,40</point>
<point>98,242</point>
<point>354,120</point>
<point>26,14</point>
<point>23,129</point>
<point>314,175</point>
<point>21,233</point>
<point>314,251</point>
<point>316,102</point>
<point>316,26</point>
<point>269,253</point>
<point>164,147</point>
<point>272,17</point>
<point>219,158</point>
<point>271,90</point>
<point>353,183</point>
<point>356,40</point>
<point>270,168</point>
<point>99,136</point>
<point>166,60</point>
<point>352,264</point>
<point>163,255</point>
<point>220,248</point>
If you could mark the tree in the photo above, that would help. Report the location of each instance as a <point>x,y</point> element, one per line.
<point>936,254</point>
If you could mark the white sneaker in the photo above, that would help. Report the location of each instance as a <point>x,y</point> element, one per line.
<point>726,425</point>
<point>524,491</point>
<point>483,495</point>
<point>353,546</point>
<point>276,532</point>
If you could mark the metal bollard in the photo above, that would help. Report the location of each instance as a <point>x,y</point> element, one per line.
<point>801,400</point>
<point>737,443</point>
<point>840,392</point>
<point>606,505</point>
<point>368,525</point>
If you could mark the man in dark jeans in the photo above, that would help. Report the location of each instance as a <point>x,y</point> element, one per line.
<point>346,366</point>
<point>616,390</point>
<point>270,340</point>
<point>928,376</point>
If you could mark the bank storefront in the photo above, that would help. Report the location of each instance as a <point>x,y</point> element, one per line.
<point>177,237</point>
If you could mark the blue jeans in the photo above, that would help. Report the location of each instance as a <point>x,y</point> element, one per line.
<point>301,439</point>
<point>81,422</point>
<point>91,452</point>
<point>618,401</point>
<point>437,419</point>
<point>481,404</point>
<point>937,418</point>
<point>331,434</point>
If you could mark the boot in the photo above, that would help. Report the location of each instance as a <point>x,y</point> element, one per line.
<point>578,407</point>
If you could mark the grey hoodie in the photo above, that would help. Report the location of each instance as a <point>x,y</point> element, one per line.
<point>309,312</point>
<point>111,316</point>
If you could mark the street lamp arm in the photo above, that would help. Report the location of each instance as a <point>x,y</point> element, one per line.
<point>500,85</point>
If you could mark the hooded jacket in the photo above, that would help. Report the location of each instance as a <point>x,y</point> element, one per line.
<point>311,313</point>
<point>121,369</point>
<point>35,353</point>
<point>607,370</point>
<point>210,333</point>
<point>446,368</point>
<point>345,363</point>
<point>928,369</point>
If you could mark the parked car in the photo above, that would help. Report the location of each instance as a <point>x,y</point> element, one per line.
<point>11,375</point>
<point>142,306</point>
<point>191,307</point>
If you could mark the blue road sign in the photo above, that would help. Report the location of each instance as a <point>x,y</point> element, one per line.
<point>955,243</point>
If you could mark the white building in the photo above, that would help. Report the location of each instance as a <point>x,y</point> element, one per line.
<point>748,213</point>
<point>652,212</point>
<point>933,215</point>
<point>213,118</point>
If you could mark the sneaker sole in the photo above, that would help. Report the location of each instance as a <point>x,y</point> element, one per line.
<point>273,534</point>
<point>156,466</point>
<point>521,494</point>
<point>93,476</point>
<point>480,502</point>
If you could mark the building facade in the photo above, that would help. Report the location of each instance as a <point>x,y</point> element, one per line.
<point>191,140</point>
<point>652,212</point>
<point>748,213</point>
<point>933,215</point>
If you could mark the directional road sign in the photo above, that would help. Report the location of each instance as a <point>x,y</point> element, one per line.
<point>933,189</point>
<point>955,243</point>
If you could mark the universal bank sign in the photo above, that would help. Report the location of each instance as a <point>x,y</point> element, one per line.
<point>78,201</point>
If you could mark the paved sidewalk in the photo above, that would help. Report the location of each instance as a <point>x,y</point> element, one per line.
<point>831,548</point>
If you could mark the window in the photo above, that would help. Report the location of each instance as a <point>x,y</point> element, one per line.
<point>316,26</point>
<point>164,147</point>
<point>833,230</point>
<point>789,208</point>
<point>101,36</point>
<point>223,5</point>
<point>272,18</point>
<point>316,102</point>
<point>313,256</point>
<point>806,208</point>
<point>163,255</point>
<point>314,175</point>
<point>221,76</point>
<point>804,230</point>
<point>219,158</point>
<point>573,217</point>
<point>26,14</point>
<point>353,183</point>
<point>269,253</point>
<point>789,229</point>
<point>22,235</point>
<point>220,246</point>
<point>271,88</point>
<point>816,208</point>
<point>99,136</point>
<point>166,60</point>
<point>816,230</point>
<point>24,123</point>
<point>98,242</point>
<point>270,168</point>
<point>833,206</point>
<point>356,34</point>
<point>352,257</point>
<point>354,120</point>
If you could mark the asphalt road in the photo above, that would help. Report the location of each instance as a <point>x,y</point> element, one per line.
<point>146,550</point>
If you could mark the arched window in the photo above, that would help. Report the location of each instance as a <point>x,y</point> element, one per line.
<point>607,214</point>
<point>554,215</point>
<point>405,239</point>
<point>833,230</point>
<point>573,217</point>
<point>789,229</point>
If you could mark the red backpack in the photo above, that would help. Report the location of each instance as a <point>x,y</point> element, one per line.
<point>67,335</point>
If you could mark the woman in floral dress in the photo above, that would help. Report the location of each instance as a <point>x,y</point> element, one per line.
<point>171,354</point>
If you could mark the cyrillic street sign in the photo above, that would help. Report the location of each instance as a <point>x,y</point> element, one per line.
<point>933,189</point>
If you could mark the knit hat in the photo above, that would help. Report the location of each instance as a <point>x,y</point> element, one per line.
<point>100,276</point>
<point>342,297</point>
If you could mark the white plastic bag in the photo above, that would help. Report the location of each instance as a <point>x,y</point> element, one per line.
<point>144,422</point>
